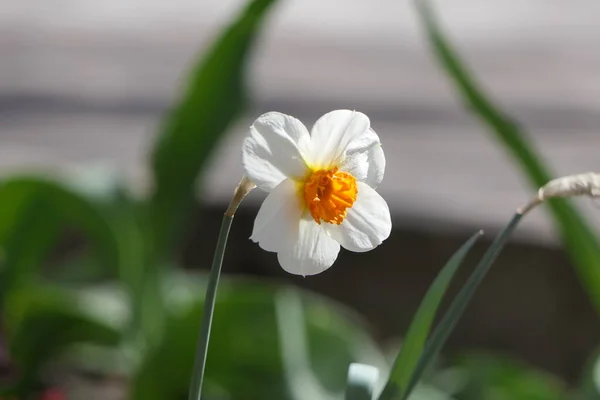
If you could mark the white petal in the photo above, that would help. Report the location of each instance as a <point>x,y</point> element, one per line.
<point>274,150</point>
<point>332,133</point>
<point>312,253</point>
<point>277,221</point>
<point>367,224</point>
<point>365,160</point>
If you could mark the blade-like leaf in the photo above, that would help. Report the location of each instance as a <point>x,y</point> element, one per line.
<point>449,320</point>
<point>34,211</point>
<point>33,215</point>
<point>418,331</point>
<point>137,272</point>
<point>18,192</point>
<point>490,376</point>
<point>214,97</point>
<point>246,354</point>
<point>589,385</point>
<point>40,323</point>
<point>577,236</point>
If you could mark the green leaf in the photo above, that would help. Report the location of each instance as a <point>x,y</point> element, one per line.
<point>33,216</point>
<point>589,385</point>
<point>418,331</point>
<point>577,236</point>
<point>245,359</point>
<point>214,97</point>
<point>308,376</point>
<point>138,273</point>
<point>488,376</point>
<point>41,322</point>
<point>450,318</point>
<point>34,213</point>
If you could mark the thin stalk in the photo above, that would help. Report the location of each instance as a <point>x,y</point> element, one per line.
<point>207,313</point>
<point>448,322</point>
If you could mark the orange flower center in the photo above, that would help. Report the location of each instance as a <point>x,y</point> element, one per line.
<point>328,193</point>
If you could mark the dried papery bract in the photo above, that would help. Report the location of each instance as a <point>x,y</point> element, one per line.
<point>587,184</point>
<point>245,186</point>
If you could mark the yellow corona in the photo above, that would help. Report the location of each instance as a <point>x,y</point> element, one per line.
<point>328,194</point>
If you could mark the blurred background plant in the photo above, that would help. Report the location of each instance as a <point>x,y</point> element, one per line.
<point>97,293</point>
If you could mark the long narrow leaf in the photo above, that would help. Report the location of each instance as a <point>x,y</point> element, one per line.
<point>73,208</point>
<point>246,358</point>
<point>417,333</point>
<point>214,97</point>
<point>34,211</point>
<point>41,323</point>
<point>457,307</point>
<point>577,236</point>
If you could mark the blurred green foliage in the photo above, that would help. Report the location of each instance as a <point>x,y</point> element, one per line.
<point>127,310</point>
<point>581,243</point>
<point>493,377</point>
<point>248,357</point>
<point>118,305</point>
<point>578,238</point>
<point>214,96</point>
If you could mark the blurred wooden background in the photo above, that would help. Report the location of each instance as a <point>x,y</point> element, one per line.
<point>85,82</point>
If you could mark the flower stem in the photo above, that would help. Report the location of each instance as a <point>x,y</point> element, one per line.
<point>207,314</point>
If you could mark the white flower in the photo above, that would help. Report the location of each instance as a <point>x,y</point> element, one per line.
<point>321,188</point>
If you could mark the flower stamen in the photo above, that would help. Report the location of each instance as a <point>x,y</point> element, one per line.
<point>328,194</point>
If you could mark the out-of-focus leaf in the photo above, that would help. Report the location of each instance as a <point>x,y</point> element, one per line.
<point>577,236</point>
<point>244,359</point>
<point>418,331</point>
<point>495,377</point>
<point>33,213</point>
<point>27,243</point>
<point>138,273</point>
<point>109,304</point>
<point>589,386</point>
<point>17,193</point>
<point>213,98</point>
<point>40,323</point>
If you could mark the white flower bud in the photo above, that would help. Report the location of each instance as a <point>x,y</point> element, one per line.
<point>573,185</point>
<point>587,184</point>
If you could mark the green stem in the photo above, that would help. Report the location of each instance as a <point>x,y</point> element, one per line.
<point>207,314</point>
<point>457,307</point>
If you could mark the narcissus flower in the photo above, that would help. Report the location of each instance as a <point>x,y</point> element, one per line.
<point>321,188</point>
